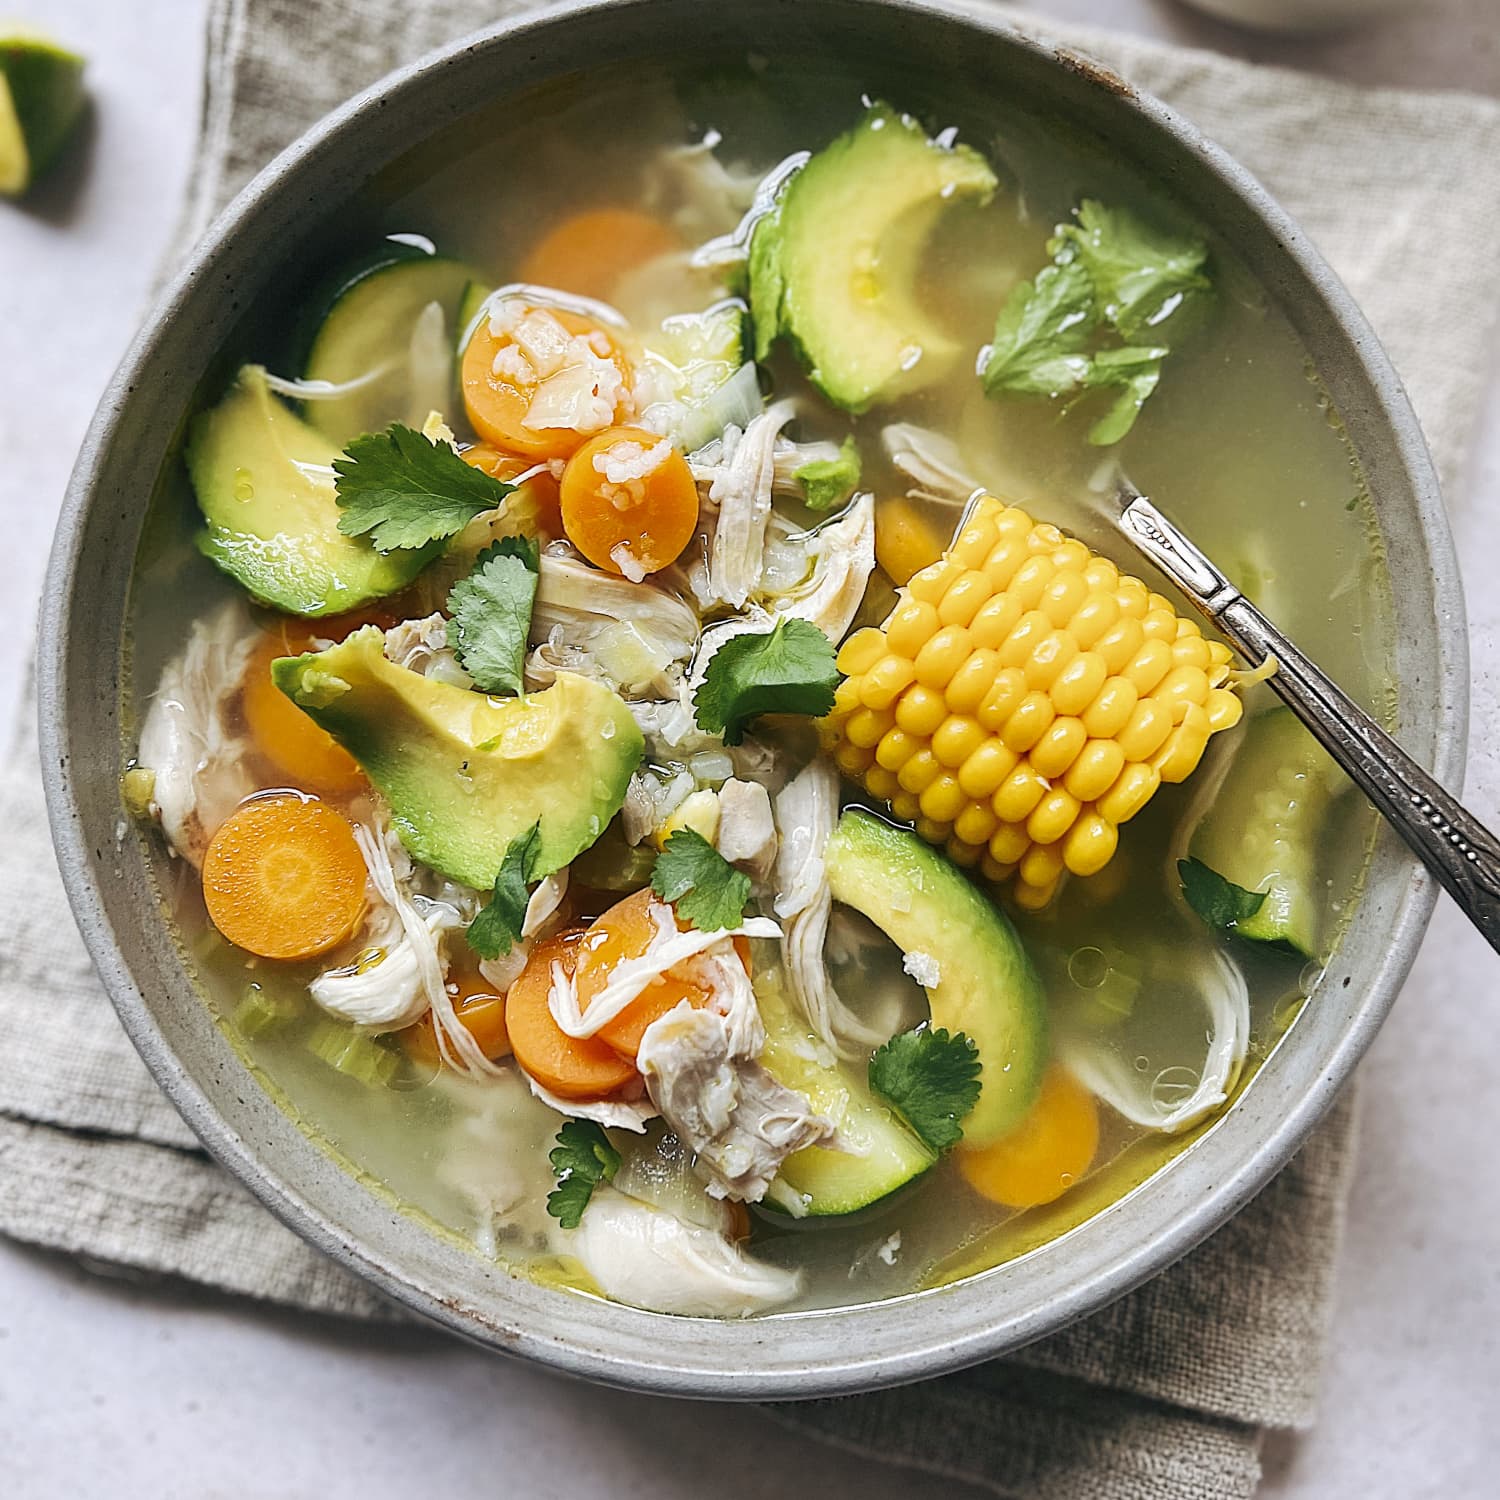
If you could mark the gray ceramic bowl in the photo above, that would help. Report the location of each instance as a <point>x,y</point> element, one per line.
<point>83,664</point>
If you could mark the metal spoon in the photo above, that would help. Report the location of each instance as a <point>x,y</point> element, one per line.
<point>1448,839</point>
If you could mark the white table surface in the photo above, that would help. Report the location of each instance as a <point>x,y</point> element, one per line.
<point>107,1388</point>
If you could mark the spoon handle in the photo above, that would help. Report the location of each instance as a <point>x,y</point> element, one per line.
<point>1445,836</point>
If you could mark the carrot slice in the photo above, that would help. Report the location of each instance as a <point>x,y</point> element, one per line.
<point>284,878</point>
<point>542,486</point>
<point>307,755</point>
<point>591,251</point>
<point>498,401</point>
<point>629,503</point>
<point>1045,1155</point>
<point>480,1011</point>
<point>625,931</point>
<point>571,1067</point>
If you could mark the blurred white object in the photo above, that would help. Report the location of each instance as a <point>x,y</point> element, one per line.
<point>1298,15</point>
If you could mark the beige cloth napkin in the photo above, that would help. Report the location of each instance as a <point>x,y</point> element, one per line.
<point>1163,1394</point>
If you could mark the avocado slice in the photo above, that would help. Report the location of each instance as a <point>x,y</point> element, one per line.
<point>41,102</point>
<point>836,265</point>
<point>883,1154</point>
<point>464,773</point>
<point>986,986</point>
<point>265,484</point>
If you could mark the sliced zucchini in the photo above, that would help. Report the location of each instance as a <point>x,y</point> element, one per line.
<point>374,333</point>
<point>1263,827</point>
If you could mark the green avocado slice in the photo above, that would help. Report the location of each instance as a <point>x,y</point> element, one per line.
<point>986,986</point>
<point>464,773</point>
<point>836,266</point>
<point>265,484</point>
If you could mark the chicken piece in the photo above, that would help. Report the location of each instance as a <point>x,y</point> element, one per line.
<point>612,1114</point>
<point>805,813</point>
<point>187,741</point>
<point>644,1256</point>
<point>421,646</point>
<point>933,462</point>
<point>747,830</point>
<point>393,981</point>
<point>843,557</point>
<point>740,488</point>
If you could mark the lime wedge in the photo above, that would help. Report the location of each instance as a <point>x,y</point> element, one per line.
<point>41,100</point>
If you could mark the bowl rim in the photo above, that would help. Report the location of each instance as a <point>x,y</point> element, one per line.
<point>672,1355</point>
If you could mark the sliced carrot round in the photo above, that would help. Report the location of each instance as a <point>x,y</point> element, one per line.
<point>1045,1155</point>
<point>306,754</point>
<point>499,400</point>
<point>629,503</point>
<point>571,1067</point>
<point>284,878</point>
<point>589,252</point>
<point>480,1011</point>
<point>541,486</point>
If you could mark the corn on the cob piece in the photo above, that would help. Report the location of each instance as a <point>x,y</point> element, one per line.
<point>1025,698</point>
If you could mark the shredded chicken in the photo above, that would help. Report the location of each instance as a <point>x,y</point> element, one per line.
<point>747,830</point>
<point>613,1114</point>
<point>421,646</point>
<point>387,985</point>
<point>642,1255</point>
<point>187,739</point>
<point>805,812</point>
<point>933,462</point>
<point>650,799</point>
<point>739,487</point>
<point>843,557</point>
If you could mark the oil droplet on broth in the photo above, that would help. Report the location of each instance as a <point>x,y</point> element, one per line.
<point>244,485</point>
<point>1088,968</point>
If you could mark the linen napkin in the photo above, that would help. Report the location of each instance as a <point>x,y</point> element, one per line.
<point>1165,1393</point>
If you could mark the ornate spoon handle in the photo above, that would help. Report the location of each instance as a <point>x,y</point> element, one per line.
<point>1445,836</point>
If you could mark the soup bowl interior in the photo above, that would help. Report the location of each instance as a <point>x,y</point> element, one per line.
<point>281,221</point>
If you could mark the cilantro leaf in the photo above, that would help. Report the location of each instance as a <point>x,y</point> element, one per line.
<point>704,887</point>
<point>931,1079</point>
<point>497,928</point>
<point>1040,335</point>
<point>788,670</point>
<point>491,611</point>
<point>827,482</point>
<point>1134,371</point>
<point>1220,902</point>
<point>582,1159</point>
<point>405,490</point>
<point>1140,273</point>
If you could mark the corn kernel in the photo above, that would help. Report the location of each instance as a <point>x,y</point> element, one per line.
<point>1093,771</point>
<point>1053,653</point>
<point>1078,684</point>
<point>964,855</point>
<point>1003,559</point>
<point>1103,576</point>
<point>1098,613</point>
<point>1090,844</point>
<point>956,739</point>
<point>1052,817</point>
<point>1160,625</point>
<point>1040,866</point>
<point>851,760</point>
<point>973,681</point>
<point>974,542</point>
<point>1018,794</point>
<point>861,651</point>
<point>846,696</point>
<point>992,870</point>
<point>995,621</point>
<point>1064,597</point>
<point>896,747</point>
<point>975,823</point>
<point>932,582</point>
<point>1183,684</point>
<point>1032,718</point>
<point>1147,730</point>
<point>1191,650</point>
<point>1031,630</point>
<point>986,768</point>
<point>919,770</point>
<point>942,656</point>
<point>1045,537</point>
<point>1149,665</point>
<point>1032,897</point>
<point>1134,787</point>
<point>865,726</point>
<point>886,681</point>
<point>1031,581</point>
<point>1058,748</point>
<point>1008,843</point>
<point>1134,597</point>
<point>906,807</point>
<point>1120,643</point>
<point>1004,696</point>
<point>912,624</point>
<point>1013,521</point>
<point>881,783</point>
<point>1179,757</point>
<point>920,710</point>
<point>1224,709</point>
<point>931,830</point>
<point>906,541</point>
<point>963,600</point>
<point>1110,711</point>
<point>943,799</point>
<point>1071,557</point>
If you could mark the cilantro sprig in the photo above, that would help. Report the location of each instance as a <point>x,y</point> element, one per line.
<point>787,670</point>
<point>706,890</point>
<point>582,1159</point>
<point>1221,903</point>
<point>491,614</point>
<point>404,490</point>
<point>931,1079</point>
<point>497,928</point>
<point>828,482</point>
<point>1111,274</point>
